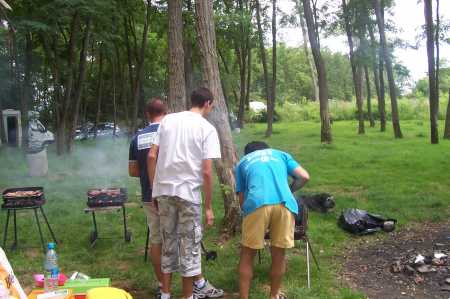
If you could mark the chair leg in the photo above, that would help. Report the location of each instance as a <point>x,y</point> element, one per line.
<point>146,244</point>
<point>307,264</point>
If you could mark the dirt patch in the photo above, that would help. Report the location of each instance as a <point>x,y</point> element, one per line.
<point>367,268</point>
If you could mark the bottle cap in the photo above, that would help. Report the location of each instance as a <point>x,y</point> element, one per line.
<point>51,246</point>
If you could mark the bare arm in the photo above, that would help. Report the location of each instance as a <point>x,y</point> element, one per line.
<point>207,171</point>
<point>133,168</point>
<point>241,198</point>
<point>301,177</point>
<point>151,162</point>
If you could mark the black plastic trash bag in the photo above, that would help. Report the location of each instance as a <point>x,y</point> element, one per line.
<point>361,222</point>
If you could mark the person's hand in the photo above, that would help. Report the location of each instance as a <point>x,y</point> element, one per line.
<point>209,217</point>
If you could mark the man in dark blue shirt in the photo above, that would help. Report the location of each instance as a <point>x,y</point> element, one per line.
<point>137,167</point>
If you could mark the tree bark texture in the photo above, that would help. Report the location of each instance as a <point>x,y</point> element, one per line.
<point>312,67</point>
<point>99,92</point>
<point>140,69</point>
<point>273,85</point>
<point>356,69</point>
<point>447,119</point>
<point>325,131</point>
<point>377,73</point>
<point>369,97</point>
<point>434,94</point>
<point>379,11</point>
<point>262,51</point>
<point>177,82</point>
<point>219,115</point>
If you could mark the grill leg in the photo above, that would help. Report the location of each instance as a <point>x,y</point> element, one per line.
<point>307,265</point>
<point>94,234</point>
<point>15,230</point>
<point>48,225</point>
<point>126,233</point>
<point>39,228</point>
<point>146,244</point>
<point>5,232</point>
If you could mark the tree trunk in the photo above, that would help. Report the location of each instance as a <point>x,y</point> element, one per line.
<point>177,82</point>
<point>312,68</point>
<point>219,115</point>
<point>99,92</point>
<point>262,51</point>
<point>325,131</point>
<point>447,119</point>
<point>140,69</point>
<point>438,26</point>
<point>433,95</point>
<point>377,74</point>
<point>188,65</point>
<point>271,104</point>
<point>369,97</point>
<point>241,55</point>
<point>27,95</point>
<point>249,75</point>
<point>356,69</point>
<point>379,11</point>
<point>79,85</point>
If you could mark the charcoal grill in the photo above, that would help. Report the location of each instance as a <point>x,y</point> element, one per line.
<point>25,198</point>
<point>107,200</point>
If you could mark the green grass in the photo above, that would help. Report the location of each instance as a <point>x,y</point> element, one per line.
<point>406,179</point>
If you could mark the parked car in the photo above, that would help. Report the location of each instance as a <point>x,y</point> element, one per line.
<point>88,131</point>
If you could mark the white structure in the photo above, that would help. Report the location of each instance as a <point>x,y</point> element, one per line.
<point>256,106</point>
<point>12,125</point>
<point>38,139</point>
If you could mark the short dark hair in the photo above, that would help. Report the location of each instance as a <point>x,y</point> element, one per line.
<point>200,96</point>
<point>156,107</point>
<point>255,146</point>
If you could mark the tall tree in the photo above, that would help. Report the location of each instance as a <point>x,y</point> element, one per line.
<point>219,116</point>
<point>312,68</point>
<point>369,97</point>
<point>262,51</point>
<point>177,83</point>
<point>271,103</point>
<point>313,34</point>
<point>356,69</point>
<point>447,119</point>
<point>434,92</point>
<point>379,11</point>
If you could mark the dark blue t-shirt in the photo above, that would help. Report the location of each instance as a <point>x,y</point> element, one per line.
<point>139,147</point>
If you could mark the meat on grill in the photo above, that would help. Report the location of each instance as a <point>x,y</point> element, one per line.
<point>112,192</point>
<point>24,194</point>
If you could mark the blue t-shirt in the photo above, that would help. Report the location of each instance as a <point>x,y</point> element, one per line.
<point>139,147</point>
<point>263,178</point>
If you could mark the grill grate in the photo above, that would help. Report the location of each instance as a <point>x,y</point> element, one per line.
<point>106,197</point>
<point>24,197</point>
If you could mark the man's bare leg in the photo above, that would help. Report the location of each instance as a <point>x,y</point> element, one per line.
<point>188,287</point>
<point>246,270</point>
<point>277,270</point>
<point>166,282</point>
<point>155,255</point>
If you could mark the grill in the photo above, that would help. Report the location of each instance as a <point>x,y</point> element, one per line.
<point>106,197</point>
<point>25,197</point>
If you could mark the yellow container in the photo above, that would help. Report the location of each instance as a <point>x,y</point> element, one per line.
<point>107,293</point>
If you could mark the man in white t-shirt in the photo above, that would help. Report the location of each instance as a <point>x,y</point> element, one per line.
<point>184,167</point>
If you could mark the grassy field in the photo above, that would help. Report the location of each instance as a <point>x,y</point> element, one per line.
<point>406,179</point>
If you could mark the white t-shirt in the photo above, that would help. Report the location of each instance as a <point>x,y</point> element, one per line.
<point>185,139</point>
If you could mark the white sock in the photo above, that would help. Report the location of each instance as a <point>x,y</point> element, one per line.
<point>165,295</point>
<point>190,297</point>
<point>200,283</point>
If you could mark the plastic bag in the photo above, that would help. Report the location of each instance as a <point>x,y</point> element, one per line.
<point>361,222</point>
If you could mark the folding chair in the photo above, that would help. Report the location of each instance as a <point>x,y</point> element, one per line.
<point>300,233</point>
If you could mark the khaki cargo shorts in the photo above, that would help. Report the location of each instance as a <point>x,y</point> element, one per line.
<point>152,214</point>
<point>181,234</point>
<point>277,219</point>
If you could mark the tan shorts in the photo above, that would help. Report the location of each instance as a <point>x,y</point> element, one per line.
<point>152,215</point>
<point>275,218</point>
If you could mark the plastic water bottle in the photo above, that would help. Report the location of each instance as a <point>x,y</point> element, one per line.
<point>51,268</point>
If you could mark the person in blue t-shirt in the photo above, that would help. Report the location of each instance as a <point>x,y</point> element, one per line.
<point>267,203</point>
